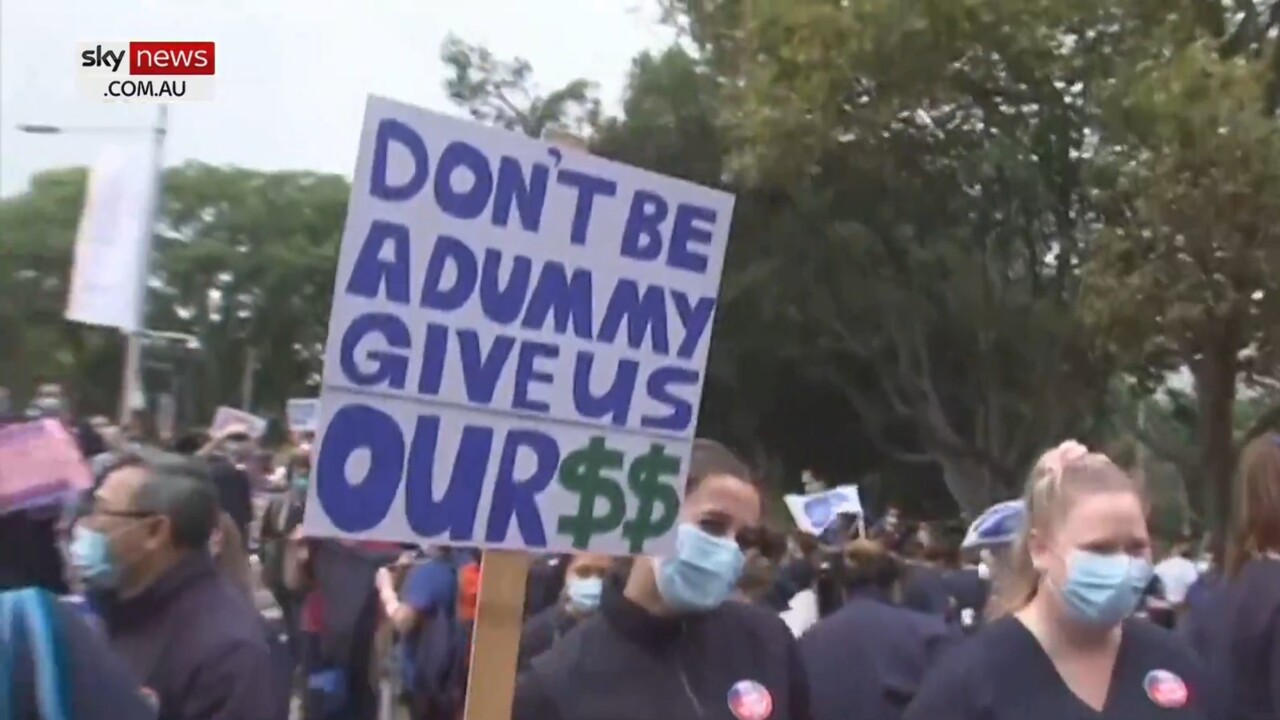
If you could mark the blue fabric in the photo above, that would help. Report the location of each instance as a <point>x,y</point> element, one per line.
<point>430,586</point>
<point>28,630</point>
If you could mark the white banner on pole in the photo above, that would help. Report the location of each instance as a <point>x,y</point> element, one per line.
<point>112,241</point>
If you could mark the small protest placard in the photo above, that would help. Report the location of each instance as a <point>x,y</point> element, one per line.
<point>815,511</point>
<point>517,343</point>
<point>40,463</point>
<point>303,414</point>
<point>226,416</point>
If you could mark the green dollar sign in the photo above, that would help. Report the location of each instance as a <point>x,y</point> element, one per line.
<point>583,472</point>
<point>649,477</point>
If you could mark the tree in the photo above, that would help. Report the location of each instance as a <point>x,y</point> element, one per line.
<point>246,264</point>
<point>1184,267</point>
<point>37,233</point>
<point>243,261</point>
<point>500,92</point>
<point>932,172</point>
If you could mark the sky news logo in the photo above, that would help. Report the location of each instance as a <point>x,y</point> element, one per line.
<point>147,72</point>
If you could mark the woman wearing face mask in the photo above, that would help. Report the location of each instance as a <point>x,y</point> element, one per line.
<point>583,586</point>
<point>1069,649</point>
<point>667,642</point>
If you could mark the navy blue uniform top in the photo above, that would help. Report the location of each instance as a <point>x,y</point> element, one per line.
<point>925,590</point>
<point>623,663</point>
<point>1003,673</point>
<point>1248,659</point>
<point>867,660</point>
<point>969,593</point>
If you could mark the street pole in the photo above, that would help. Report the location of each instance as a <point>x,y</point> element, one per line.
<point>131,387</point>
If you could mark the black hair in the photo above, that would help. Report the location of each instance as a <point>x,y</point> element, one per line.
<point>189,443</point>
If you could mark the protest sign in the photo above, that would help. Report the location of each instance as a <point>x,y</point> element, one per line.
<point>40,463</point>
<point>517,343</point>
<point>227,416</point>
<point>303,414</point>
<point>815,511</point>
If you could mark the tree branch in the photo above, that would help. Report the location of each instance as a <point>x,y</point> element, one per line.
<point>875,432</point>
<point>1165,449</point>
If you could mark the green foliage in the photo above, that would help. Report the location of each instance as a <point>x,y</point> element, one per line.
<point>1192,241</point>
<point>964,231</point>
<point>1187,179</point>
<point>37,232</point>
<point>242,260</point>
<point>500,92</point>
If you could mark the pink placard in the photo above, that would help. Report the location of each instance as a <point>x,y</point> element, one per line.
<point>40,463</point>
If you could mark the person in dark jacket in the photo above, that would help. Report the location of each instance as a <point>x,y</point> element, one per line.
<point>867,660</point>
<point>235,489</point>
<point>545,584</point>
<point>667,643</point>
<point>583,585</point>
<point>1246,636</point>
<point>29,554</point>
<point>191,638</point>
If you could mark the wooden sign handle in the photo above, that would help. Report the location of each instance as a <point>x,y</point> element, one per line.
<point>499,624</point>
<point>500,607</point>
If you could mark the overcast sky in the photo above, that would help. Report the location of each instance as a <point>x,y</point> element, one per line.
<point>291,74</point>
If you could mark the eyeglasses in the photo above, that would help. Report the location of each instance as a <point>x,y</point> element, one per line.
<point>130,514</point>
<point>96,508</point>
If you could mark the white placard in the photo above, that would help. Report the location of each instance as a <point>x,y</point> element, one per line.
<point>303,414</point>
<point>517,343</point>
<point>227,416</point>
<point>815,511</point>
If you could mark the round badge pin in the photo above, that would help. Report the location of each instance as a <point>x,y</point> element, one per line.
<point>152,698</point>
<point>749,700</point>
<point>1165,689</point>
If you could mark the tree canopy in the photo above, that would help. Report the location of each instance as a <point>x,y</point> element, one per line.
<point>963,232</point>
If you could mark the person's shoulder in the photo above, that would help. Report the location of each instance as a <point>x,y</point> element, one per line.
<point>738,621</point>
<point>1157,642</point>
<point>1261,573</point>
<point>564,664</point>
<point>544,621</point>
<point>958,686</point>
<point>432,572</point>
<point>429,584</point>
<point>997,642</point>
<point>220,611</point>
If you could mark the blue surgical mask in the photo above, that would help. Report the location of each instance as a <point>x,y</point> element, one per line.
<point>584,593</point>
<point>90,554</point>
<point>703,572</point>
<point>1104,589</point>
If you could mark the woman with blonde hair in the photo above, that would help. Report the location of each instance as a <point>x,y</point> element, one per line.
<point>1065,647</point>
<point>1247,645</point>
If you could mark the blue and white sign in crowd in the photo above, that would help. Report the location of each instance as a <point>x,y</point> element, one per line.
<point>517,344</point>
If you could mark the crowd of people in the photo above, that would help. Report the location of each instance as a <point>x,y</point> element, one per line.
<point>143,598</point>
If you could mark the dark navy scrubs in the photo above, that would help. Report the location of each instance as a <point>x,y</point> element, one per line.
<point>1003,673</point>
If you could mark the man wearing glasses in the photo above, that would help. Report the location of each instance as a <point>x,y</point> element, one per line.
<point>191,639</point>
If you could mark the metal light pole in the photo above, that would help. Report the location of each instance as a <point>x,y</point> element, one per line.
<point>131,377</point>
